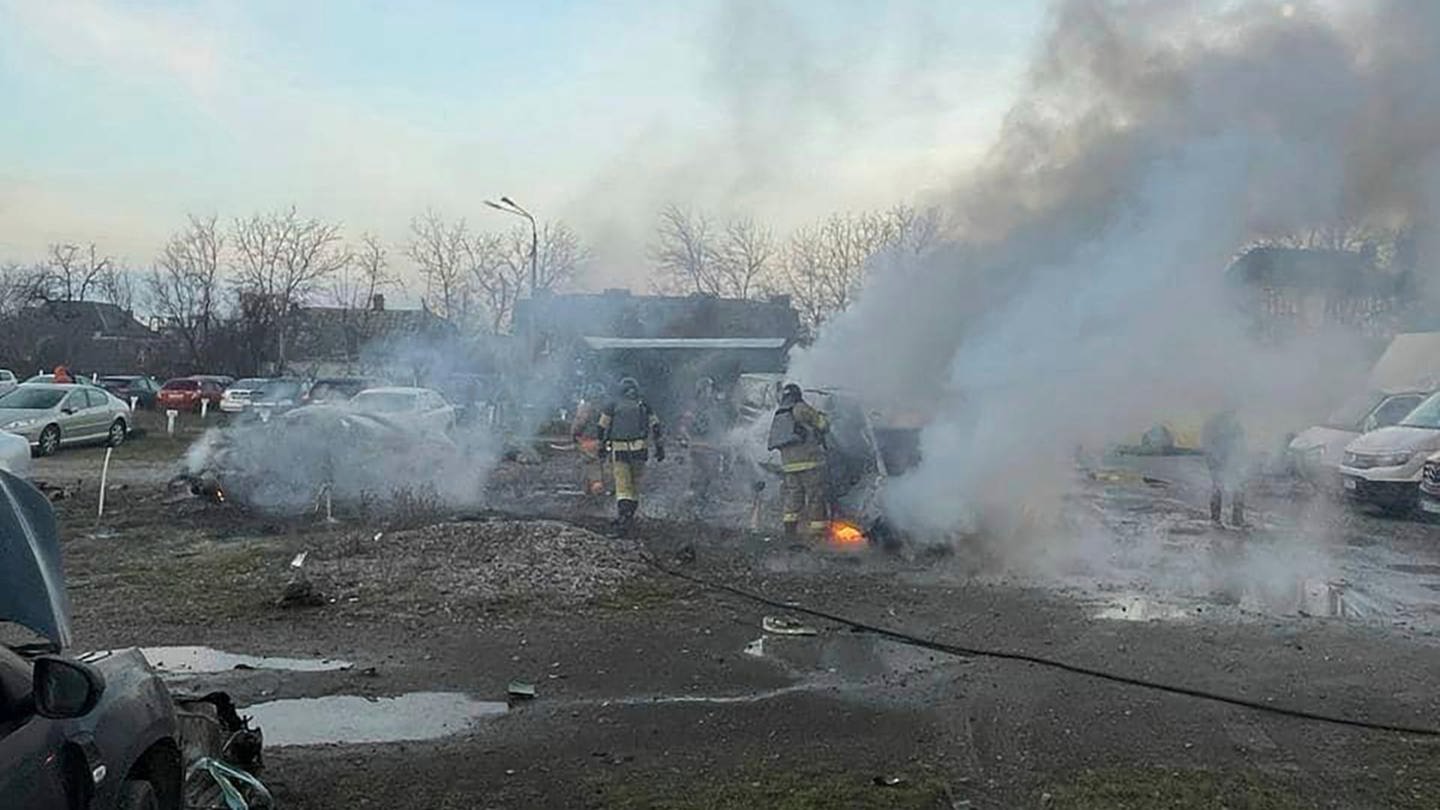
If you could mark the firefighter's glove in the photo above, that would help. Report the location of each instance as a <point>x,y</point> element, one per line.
<point>659,452</point>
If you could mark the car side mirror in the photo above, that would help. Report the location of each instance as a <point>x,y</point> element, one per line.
<point>67,410</point>
<point>66,688</point>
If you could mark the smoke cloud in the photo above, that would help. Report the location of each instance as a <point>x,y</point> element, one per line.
<point>1082,295</point>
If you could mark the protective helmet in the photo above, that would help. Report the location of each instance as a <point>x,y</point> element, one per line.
<point>629,387</point>
<point>791,393</point>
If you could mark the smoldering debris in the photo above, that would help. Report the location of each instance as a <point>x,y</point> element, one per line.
<point>464,566</point>
<point>324,455</point>
<point>1082,294</point>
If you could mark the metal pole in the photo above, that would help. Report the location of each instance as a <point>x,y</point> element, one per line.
<point>534,252</point>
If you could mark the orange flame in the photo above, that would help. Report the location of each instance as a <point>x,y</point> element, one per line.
<point>845,533</point>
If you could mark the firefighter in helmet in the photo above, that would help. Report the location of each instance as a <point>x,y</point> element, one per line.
<point>627,426</point>
<point>701,429</point>
<point>585,431</point>
<point>798,432</point>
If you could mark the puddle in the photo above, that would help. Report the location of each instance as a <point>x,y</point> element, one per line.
<point>353,719</point>
<point>1307,597</point>
<point>185,660</point>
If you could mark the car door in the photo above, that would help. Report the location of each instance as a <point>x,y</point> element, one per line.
<point>73,418</point>
<point>31,766</point>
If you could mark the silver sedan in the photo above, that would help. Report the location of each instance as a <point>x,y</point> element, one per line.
<point>49,416</point>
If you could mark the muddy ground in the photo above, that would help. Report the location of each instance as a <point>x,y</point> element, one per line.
<point>652,691</point>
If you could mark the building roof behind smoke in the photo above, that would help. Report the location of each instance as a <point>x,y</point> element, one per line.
<point>618,314</point>
<point>339,334</point>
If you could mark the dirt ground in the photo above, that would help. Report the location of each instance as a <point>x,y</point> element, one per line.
<point>652,691</point>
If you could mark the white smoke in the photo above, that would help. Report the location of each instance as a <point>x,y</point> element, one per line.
<point>1082,295</point>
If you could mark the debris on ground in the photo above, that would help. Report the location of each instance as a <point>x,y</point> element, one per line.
<point>300,593</point>
<point>449,566</point>
<point>780,626</point>
<point>520,690</point>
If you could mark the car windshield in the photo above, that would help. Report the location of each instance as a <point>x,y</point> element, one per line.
<point>1354,410</point>
<point>182,385</point>
<point>385,402</point>
<point>32,399</point>
<point>248,384</point>
<point>276,390</point>
<point>1427,415</point>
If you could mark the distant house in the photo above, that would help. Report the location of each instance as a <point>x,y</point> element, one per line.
<point>1290,291</point>
<point>374,341</point>
<point>88,336</point>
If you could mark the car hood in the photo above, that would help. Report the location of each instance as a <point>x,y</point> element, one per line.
<point>8,415</point>
<point>32,584</point>
<point>1396,439</point>
<point>1332,440</point>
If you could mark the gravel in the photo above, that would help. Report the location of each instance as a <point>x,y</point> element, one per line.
<point>450,567</point>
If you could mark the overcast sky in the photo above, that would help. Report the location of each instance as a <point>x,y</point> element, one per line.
<point>121,117</point>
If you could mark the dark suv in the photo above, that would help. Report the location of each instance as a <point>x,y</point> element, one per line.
<point>98,731</point>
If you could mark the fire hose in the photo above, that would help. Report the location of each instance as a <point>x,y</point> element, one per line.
<point>1004,655</point>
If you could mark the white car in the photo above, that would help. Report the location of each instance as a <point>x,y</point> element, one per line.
<point>1318,451</point>
<point>14,454</point>
<point>1384,467</point>
<point>419,408</point>
<point>237,396</point>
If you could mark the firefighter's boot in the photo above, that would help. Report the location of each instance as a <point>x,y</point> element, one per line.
<point>1237,511</point>
<point>625,515</point>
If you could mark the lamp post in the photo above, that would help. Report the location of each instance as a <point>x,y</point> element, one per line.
<point>509,206</point>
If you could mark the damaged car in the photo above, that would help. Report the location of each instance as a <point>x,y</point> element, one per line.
<point>97,730</point>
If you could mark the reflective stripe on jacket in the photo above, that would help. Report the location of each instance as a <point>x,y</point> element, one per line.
<point>810,453</point>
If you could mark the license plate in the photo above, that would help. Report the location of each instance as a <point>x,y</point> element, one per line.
<point>1430,506</point>
<point>1352,484</point>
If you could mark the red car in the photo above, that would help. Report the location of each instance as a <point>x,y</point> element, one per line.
<point>186,393</point>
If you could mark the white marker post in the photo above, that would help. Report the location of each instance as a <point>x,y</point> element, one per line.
<point>170,415</point>
<point>204,408</point>
<point>104,476</point>
<point>133,402</point>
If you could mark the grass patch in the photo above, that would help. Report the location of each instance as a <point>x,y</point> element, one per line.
<point>640,593</point>
<point>776,789</point>
<point>1146,788</point>
<point>216,583</point>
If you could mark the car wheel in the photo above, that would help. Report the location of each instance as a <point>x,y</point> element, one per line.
<point>49,440</point>
<point>137,794</point>
<point>117,433</point>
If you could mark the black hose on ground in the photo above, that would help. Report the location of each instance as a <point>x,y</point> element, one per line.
<point>979,652</point>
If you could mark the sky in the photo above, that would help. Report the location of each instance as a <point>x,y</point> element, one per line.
<point>123,117</point>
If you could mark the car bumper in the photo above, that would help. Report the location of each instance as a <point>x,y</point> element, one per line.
<point>1383,492</point>
<point>30,434</point>
<point>233,405</point>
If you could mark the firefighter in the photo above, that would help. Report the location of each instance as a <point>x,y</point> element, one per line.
<point>627,426</point>
<point>585,431</point>
<point>798,431</point>
<point>700,431</point>
<point>62,375</point>
<point>1223,438</point>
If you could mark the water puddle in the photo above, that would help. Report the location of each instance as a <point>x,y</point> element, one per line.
<point>191,660</point>
<point>352,719</point>
<point>1307,597</point>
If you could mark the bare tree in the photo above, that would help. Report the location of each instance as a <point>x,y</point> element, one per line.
<point>70,272</point>
<point>20,287</point>
<point>280,260</point>
<point>500,266</point>
<point>917,230</point>
<point>824,264</point>
<point>744,259</point>
<point>442,250</point>
<point>684,253</point>
<point>365,276</point>
<point>185,285</point>
<point>117,286</point>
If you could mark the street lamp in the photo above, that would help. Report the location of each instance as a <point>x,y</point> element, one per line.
<point>509,206</point>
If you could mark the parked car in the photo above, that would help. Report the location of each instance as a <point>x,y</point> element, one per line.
<point>186,393</point>
<point>237,396</point>
<point>417,407</point>
<point>7,381</point>
<point>222,380</point>
<point>1318,451</point>
<point>52,416</point>
<point>97,731</point>
<point>127,386</point>
<point>276,396</point>
<point>336,389</point>
<point>49,379</point>
<point>14,454</point>
<point>1383,467</point>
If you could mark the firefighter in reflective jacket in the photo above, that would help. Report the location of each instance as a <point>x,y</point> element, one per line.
<point>626,426</point>
<point>798,432</point>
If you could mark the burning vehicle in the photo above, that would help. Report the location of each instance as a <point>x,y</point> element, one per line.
<point>862,453</point>
<point>310,457</point>
<point>97,730</point>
